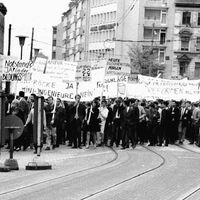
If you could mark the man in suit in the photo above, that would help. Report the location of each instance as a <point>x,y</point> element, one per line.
<point>164,124</point>
<point>76,117</point>
<point>23,106</point>
<point>174,121</point>
<point>117,119</point>
<point>185,120</point>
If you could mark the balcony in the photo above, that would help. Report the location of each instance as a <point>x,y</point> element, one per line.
<point>68,25</point>
<point>80,14</point>
<point>186,3</point>
<point>80,31</point>
<point>80,47</point>
<point>157,4</point>
<point>66,40</point>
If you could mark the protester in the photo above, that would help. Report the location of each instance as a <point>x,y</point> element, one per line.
<point>76,117</point>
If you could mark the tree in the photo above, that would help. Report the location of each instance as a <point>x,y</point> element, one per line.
<point>144,60</point>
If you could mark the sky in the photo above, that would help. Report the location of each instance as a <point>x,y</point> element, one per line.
<point>24,15</point>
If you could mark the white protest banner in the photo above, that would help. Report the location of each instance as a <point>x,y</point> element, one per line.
<point>39,65</point>
<point>98,64</point>
<point>15,70</point>
<point>60,69</point>
<point>44,85</point>
<point>116,66</point>
<point>83,71</point>
<point>157,88</point>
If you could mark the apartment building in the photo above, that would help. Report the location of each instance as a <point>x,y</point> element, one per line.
<point>3,12</point>
<point>186,43</point>
<point>57,42</point>
<point>75,34</point>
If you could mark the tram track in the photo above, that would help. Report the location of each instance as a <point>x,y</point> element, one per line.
<point>114,185</point>
<point>190,194</point>
<point>129,179</point>
<point>63,176</point>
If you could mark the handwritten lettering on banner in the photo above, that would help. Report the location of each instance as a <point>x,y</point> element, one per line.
<point>170,89</point>
<point>44,85</point>
<point>15,70</point>
<point>117,67</point>
<point>60,69</point>
<point>83,71</point>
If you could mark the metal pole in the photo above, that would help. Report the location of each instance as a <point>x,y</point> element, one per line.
<point>11,142</point>
<point>9,39</point>
<point>31,52</point>
<point>7,89</point>
<point>21,52</point>
<point>39,124</point>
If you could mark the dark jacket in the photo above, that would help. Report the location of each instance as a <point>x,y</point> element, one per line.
<point>72,112</point>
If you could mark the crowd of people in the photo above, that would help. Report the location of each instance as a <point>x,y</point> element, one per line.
<point>119,122</point>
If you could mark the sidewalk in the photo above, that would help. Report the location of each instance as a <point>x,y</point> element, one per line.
<point>53,157</point>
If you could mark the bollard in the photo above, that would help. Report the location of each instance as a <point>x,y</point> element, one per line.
<point>38,135</point>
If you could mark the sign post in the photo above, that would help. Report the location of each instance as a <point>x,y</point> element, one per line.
<point>38,128</point>
<point>14,128</point>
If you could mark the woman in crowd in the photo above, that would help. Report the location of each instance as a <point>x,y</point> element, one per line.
<point>92,123</point>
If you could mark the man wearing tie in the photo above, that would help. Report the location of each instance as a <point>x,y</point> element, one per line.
<point>76,117</point>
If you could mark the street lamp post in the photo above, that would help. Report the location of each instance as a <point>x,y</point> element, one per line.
<point>21,43</point>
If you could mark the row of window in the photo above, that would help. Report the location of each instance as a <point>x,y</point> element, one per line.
<point>186,18</point>
<point>100,53</point>
<point>185,43</point>
<point>95,3</point>
<point>101,36</point>
<point>155,35</point>
<point>156,15</point>
<point>103,18</point>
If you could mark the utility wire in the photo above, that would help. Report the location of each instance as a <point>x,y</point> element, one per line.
<point>126,15</point>
<point>127,10</point>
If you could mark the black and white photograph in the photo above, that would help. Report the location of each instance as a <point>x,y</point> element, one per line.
<point>100,100</point>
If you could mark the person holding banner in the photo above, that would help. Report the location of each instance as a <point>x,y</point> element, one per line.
<point>76,117</point>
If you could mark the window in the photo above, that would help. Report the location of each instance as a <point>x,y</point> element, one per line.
<point>197,71</point>
<point>152,14</point>
<point>164,17</point>
<point>54,42</point>
<point>147,33</point>
<point>183,66</point>
<point>186,18</point>
<point>162,56</point>
<point>185,43</point>
<point>162,36</point>
<point>53,55</point>
<point>198,23</point>
<point>198,44</point>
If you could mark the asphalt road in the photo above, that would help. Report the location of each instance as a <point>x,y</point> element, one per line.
<point>156,173</point>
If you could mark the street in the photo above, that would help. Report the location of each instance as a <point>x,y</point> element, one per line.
<point>143,173</point>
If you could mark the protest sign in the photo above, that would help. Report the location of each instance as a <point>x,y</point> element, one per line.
<point>15,70</point>
<point>83,72</point>
<point>117,67</point>
<point>60,69</point>
<point>46,86</point>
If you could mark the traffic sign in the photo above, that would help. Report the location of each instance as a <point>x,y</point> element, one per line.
<point>15,123</point>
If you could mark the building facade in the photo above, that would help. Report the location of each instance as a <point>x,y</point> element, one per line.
<point>3,12</point>
<point>98,29</point>
<point>57,42</point>
<point>186,45</point>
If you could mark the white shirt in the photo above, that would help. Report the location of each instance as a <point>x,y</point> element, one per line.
<point>103,113</point>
